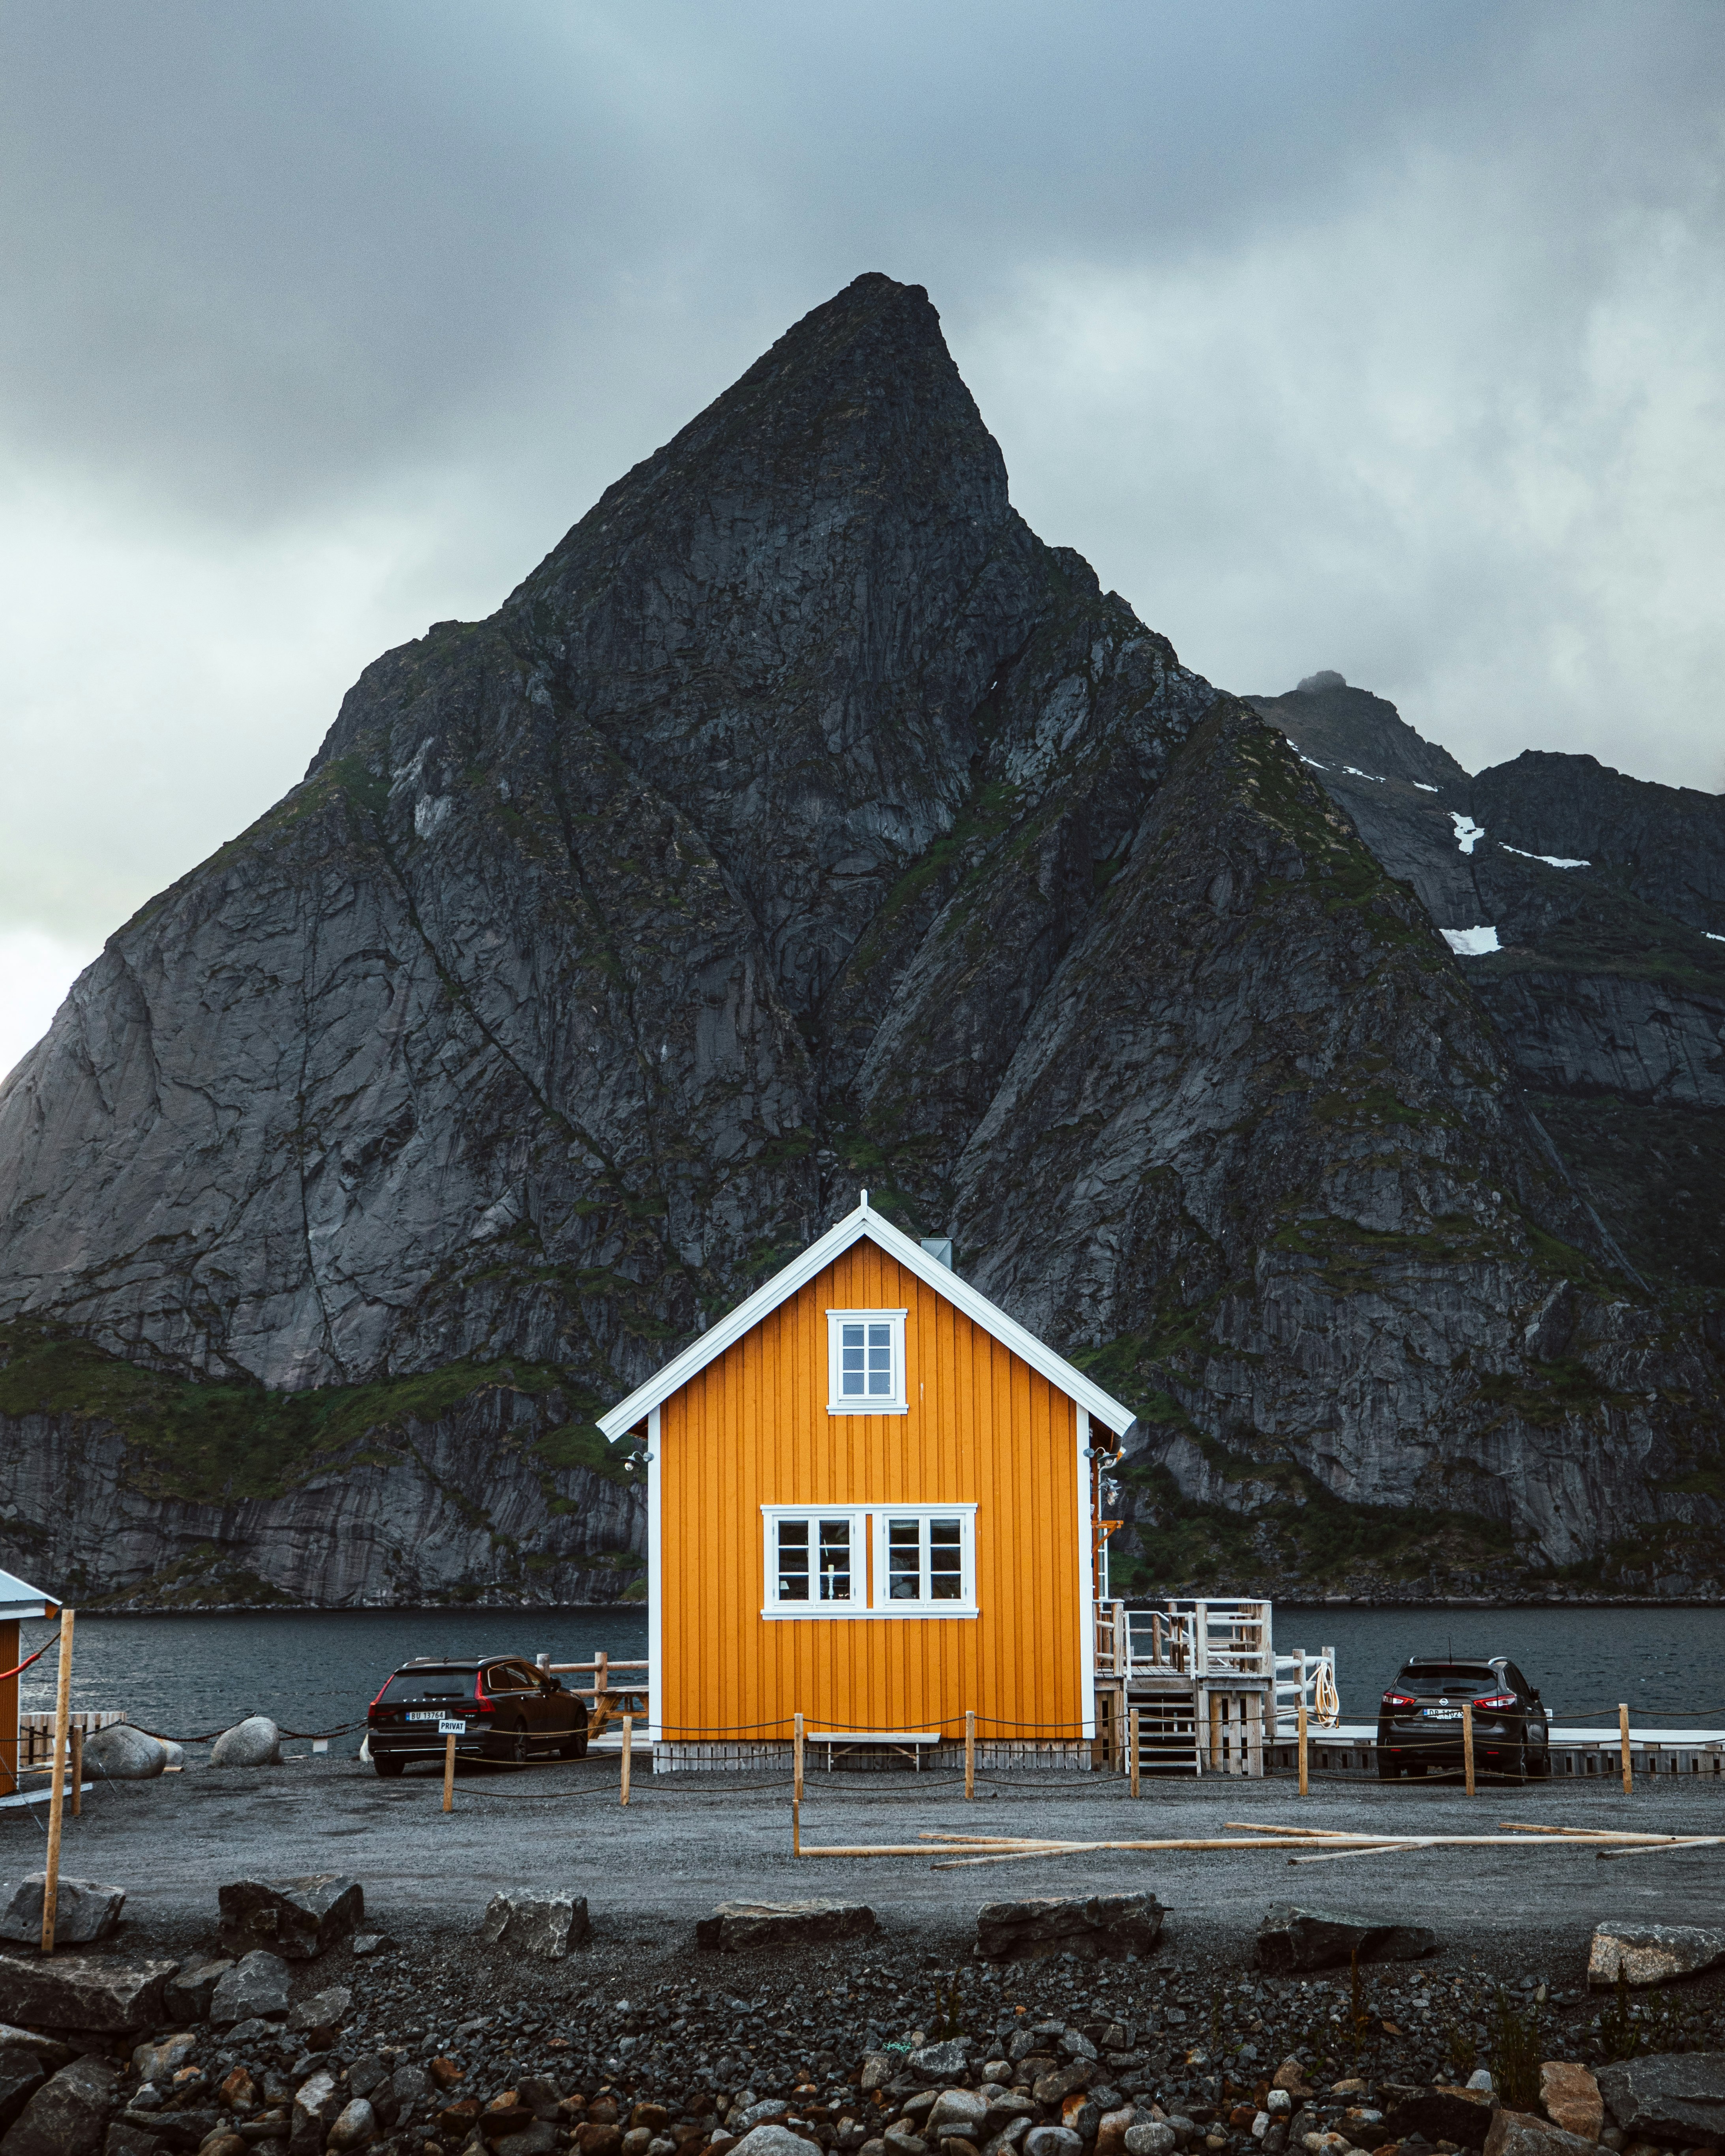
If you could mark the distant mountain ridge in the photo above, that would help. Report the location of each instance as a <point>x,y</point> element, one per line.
<point>1608,984</point>
<point>804,821</point>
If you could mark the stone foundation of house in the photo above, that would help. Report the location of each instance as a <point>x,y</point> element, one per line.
<point>1014,1756</point>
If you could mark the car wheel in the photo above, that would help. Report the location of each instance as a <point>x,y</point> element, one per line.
<point>517,1755</point>
<point>388,1767</point>
<point>1388,1769</point>
<point>574,1745</point>
<point>1539,1756</point>
<point>1516,1770</point>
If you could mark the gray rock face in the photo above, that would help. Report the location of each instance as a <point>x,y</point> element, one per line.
<point>1651,1953</point>
<point>69,1992</point>
<point>1463,2116</point>
<point>1525,2133</point>
<point>298,1918</point>
<point>84,1909</point>
<point>256,1742</point>
<point>159,2061</point>
<point>801,808</point>
<point>1291,1939</point>
<point>187,1994</point>
<point>356,2124</point>
<point>69,2114</point>
<point>22,2071</point>
<point>530,1921</point>
<point>124,1754</point>
<point>1677,2097</point>
<point>322,2014</point>
<point>256,1987</point>
<point>1094,1928</point>
<point>740,1924</point>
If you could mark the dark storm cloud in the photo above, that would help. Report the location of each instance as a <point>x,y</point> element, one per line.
<point>1377,338</point>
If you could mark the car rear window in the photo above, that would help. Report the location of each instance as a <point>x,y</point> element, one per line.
<point>430,1684</point>
<point>1458,1678</point>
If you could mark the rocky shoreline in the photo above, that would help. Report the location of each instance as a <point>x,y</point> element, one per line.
<point>512,2041</point>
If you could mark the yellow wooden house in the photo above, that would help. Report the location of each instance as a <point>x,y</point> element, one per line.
<point>872,1500</point>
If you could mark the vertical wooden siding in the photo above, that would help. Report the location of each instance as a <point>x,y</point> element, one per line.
<point>982,1429</point>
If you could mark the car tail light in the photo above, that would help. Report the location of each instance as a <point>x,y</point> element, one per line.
<point>1400,1699</point>
<point>1496,1699</point>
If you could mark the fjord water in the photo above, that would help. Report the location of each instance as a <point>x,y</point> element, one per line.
<point>312,1671</point>
<point>308,1670</point>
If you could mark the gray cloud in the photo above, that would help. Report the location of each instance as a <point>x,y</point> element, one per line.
<point>1335,335</point>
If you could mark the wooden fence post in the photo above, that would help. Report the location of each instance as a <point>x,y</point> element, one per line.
<point>969,1752</point>
<point>450,1773</point>
<point>1304,1784</point>
<point>1131,1721</point>
<point>628,1754</point>
<point>1623,1739</point>
<point>1467,1744</point>
<point>62,1712</point>
<point>796,1783</point>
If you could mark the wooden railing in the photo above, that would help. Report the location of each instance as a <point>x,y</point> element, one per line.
<point>609,1700</point>
<point>1202,1640</point>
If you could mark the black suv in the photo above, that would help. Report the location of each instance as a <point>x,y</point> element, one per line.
<point>1420,1721</point>
<point>498,1707</point>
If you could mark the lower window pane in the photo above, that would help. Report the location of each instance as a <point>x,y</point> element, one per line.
<point>835,1560</point>
<point>904,1560</point>
<point>945,1561</point>
<point>793,1560</point>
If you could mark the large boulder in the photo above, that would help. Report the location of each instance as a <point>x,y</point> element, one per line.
<point>84,1909</point>
<point>256,1742</point>
<point>1524,2134</point>
<point>124,1754</point>
<point>187,1994</point>
<point>1651,1953</point>
<point>943,2061</point>
<point>69,2114</point>
<point>320,2016</point>
<point>736,1924</point>
<point>1676,2096</point>
<point>529,1921</point>
<point>112,1998</point>
<point>1292,1939</point>
<point>183,2131</point>
<point>1569,2096</point>
<point>1461,2115</point>
<point>161,2060</point>
<point>22,2071</point>
<point>770,2141</point>
<point>300,1918</point>
<point>1098,1927</point>
<point>256,1988</point>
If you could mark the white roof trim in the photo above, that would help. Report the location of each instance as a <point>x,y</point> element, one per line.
<point>797,1274</point>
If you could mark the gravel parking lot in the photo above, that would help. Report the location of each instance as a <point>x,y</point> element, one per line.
<point>686,1841</point>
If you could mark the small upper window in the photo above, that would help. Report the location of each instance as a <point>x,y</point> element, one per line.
<point>865,1354</point>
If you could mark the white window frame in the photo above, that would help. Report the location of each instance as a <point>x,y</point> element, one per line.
<point>772,1516</point>
<point>837,1402</point>
<point>879,1601</point>
<point>868,1562</point>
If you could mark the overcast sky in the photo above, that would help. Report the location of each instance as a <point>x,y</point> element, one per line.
<point>1384,337</point>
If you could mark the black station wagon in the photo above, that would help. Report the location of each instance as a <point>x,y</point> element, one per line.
<point>497,1707</point>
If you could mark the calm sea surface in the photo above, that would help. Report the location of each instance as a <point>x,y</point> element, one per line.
<point>186,1675</point>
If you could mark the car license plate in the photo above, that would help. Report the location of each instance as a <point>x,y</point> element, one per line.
<point>445,1722</point>
<point>1443,1713</point>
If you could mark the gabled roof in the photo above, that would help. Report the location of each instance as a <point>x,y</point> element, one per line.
<point>18,1598</point>
<point>797,1274</point>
